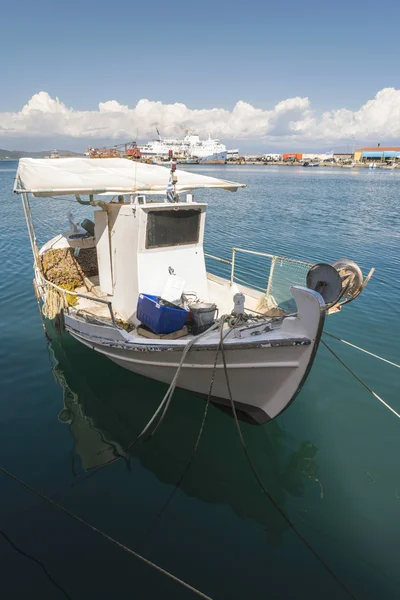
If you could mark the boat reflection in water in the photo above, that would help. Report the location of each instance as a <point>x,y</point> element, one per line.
<point>106,407</point>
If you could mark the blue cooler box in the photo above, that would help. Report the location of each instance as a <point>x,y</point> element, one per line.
<point>159,318</point>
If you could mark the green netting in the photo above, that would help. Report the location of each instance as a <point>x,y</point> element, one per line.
<point>284,274</point>
<point>271,274</point>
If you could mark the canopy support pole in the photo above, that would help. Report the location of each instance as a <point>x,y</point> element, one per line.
<point>31,229</point>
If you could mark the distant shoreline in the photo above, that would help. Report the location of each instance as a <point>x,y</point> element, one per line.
<point>251,163</point>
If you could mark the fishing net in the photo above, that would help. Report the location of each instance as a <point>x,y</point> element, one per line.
<point>283,275</point>
<point>68,270</point>
<point>53,303</point>
<point>272,275</point>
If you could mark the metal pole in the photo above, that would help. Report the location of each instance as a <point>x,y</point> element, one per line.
<point>112,314</point>
<point>228,262</point>
<point>36,249</point>
<point>253,252</point>
<point>233,265</point>
<point>79,295</point>
<point>24,206</point>
<point>66,305</point>
<point>271,272</point>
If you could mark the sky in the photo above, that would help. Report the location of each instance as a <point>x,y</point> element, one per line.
<point>257,74</point>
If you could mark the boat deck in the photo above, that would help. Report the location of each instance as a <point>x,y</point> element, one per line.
<point>78,272</point>
<point>94,308</point>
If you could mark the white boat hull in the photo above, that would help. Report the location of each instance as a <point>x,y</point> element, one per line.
<point>265,371</point>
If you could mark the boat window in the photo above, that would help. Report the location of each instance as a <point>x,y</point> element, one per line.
<point>172,227</point>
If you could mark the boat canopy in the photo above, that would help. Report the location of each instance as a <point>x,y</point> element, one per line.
<point>111,176</point>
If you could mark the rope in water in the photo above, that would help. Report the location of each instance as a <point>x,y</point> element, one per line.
<point>170,392</point>
<point>189,464</point>
<point>363,350</point>
<point>165,402</point>
<point>106,536</point>
<point>32,558</point>
<point>258,478</point>
<point>361,381</point>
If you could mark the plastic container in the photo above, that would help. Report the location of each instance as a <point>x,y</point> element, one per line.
<point>157,317</point>
<point>88,226</point>
<point>203,316</point>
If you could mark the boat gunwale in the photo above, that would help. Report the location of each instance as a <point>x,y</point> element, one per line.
<point>178,345</point>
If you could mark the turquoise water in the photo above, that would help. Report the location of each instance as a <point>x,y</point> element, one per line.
<point>330,462</point>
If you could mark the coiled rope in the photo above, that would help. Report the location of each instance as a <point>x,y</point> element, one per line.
<point>53,303</point>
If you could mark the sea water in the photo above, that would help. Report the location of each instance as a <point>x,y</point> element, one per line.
<point>330,462</point>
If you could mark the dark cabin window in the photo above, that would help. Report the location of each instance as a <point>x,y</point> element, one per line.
<point>172,227</point>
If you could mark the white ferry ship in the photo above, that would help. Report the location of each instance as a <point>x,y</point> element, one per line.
<point>210,151</point>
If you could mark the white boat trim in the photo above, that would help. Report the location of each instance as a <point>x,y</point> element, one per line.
<point>264,365</point>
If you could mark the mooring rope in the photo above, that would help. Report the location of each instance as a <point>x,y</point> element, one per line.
<point>106,536</point>
<point>170,392</point>
<point>362,350</point>
<point>189,464</point>
<point>361,381</point>
<point>37,561</point>
<point>258,478</point>
<point>165,402</point>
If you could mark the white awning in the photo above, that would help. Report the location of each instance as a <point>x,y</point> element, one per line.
<point>64,176</point>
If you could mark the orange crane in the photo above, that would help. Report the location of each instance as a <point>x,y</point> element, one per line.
<point>129,150</point>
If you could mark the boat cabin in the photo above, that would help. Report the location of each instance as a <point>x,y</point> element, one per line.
<point>140,246</point>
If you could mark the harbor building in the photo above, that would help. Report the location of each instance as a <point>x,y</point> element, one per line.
<point>377,153</point>
<point>292,156</point>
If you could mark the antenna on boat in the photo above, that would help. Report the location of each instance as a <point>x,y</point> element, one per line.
<point>171,190</point>
<point>136,162</point>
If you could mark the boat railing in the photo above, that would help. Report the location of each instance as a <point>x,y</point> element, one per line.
<point>277,286</point>
<point>66,293</point>
<point>283,272</point>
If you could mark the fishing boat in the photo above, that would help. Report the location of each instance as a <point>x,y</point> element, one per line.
<point>217,158</point>
<point>53,154</point>
<point>133,286</point>
<point>162,162</point>
<point>169,162</point>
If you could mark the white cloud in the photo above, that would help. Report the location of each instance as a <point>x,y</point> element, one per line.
<point>290,120</point>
